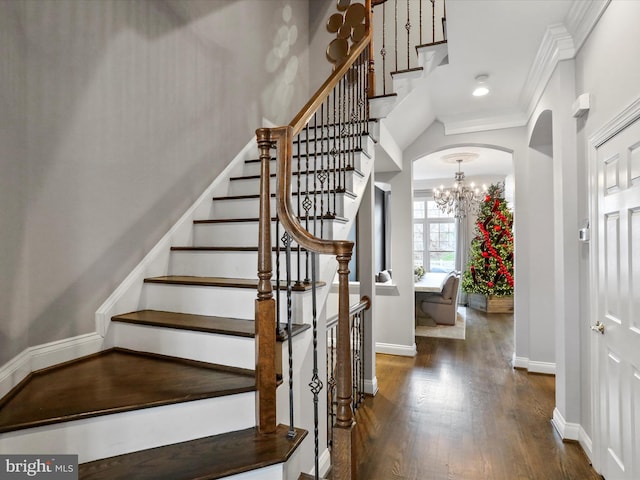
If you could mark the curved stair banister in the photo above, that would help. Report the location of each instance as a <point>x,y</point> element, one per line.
<point>351,80</point>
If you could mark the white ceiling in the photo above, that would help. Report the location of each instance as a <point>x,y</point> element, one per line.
<point>500,38</point>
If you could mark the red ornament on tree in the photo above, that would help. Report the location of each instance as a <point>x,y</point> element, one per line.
<point>497,228</point>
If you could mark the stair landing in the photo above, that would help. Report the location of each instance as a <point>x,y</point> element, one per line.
<point>115,381</point>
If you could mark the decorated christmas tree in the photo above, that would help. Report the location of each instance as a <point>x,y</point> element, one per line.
<point>490,267</point>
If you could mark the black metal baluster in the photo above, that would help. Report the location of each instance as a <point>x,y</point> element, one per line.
<point>287,242</point>
<point>383,50</point>
<point>395,45</point>
<point>306,204</point>
<point>278,320</point>
<point>316,383</point>
<point>408,27</point>
<point>420,22</point>
<point>298,174</point>
<point>334,151</point>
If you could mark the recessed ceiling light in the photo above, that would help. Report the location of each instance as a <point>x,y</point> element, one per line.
<point>481,86</point>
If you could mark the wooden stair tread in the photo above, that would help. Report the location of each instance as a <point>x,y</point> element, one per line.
<point>340,190</point>
<point>255,219</point>
<point>200,323</point>
<point>115,381</point>
<point>206,458</point>
<point>220,282</point>
<point>407,70</point>
<point>226,248</point>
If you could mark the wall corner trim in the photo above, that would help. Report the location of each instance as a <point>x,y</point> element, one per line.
<point>46,355</point>
<point>371,386</point>
<point>533,366</point>
<point>395,349</point>
<point>568,431</point>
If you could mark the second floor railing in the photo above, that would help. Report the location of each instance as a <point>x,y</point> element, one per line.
<point>358,326</point>
<point>402,26</point>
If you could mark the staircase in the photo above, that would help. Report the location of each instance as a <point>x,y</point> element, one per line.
<point>177,390</point>
<point>173,392</point>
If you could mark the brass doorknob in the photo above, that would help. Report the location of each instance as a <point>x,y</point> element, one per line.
<point>598,327</point>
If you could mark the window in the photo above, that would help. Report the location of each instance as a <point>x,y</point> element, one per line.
<point>434,236</point>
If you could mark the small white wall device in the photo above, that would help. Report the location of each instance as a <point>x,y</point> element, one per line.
<point>584,234</point>
<point>581,105</point>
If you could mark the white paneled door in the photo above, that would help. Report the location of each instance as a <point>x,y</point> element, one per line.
<point>617,328</point>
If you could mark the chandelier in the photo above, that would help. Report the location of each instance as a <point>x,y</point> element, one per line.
<point>459,200</point>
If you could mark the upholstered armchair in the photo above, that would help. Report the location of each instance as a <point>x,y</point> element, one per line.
<point>442,305</point>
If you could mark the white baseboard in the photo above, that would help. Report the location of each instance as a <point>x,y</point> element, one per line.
<point>586,444</point>
<point>568,431</point>
<point>43,356</point>
<point>371,386</point>
<point>393,349</point>
<point>533,366</point>
<point>324,462</point>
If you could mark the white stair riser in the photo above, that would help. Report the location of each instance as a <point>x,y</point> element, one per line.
<point>272,472</point>
<point>119,433</point>
<point>251,186</point>
<point>250,207</point>
<point>222,264</point>
<point>218,301</point>
<point>199,300</point>
<point>227,350</point>
<point>241,234</point>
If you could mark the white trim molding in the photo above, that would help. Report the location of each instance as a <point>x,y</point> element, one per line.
<point>557,44</point>
<point>582,17</point>
<point>614,126</point>
<point>533,366</point>
<point>46,355</point>
<point>394,349</point>
<point>561,41</point>
<point>586,443</point>
<point>568,431</point>
<point>371,386</point>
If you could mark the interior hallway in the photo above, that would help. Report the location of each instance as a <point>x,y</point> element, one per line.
<point>459,411</point>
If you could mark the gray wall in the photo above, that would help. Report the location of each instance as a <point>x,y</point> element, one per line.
<point>607,68</point>
<point>115,116</point>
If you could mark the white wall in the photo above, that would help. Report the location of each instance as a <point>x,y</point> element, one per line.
<point>561,219</point>
<point>607,68</point>
<point>13,177</point>
<point>396,308</point>
<point>120,114</point>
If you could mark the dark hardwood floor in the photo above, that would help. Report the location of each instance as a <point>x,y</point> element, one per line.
<point>459,411</point>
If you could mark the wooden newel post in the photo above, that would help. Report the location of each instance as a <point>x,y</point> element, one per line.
<point>265,305</point>
<point>343,453</point>
<point>371,73</point>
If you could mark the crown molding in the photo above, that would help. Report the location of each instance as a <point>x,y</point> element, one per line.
<point>464,124</point>
<point>582,17</point>
<point>559,43</point>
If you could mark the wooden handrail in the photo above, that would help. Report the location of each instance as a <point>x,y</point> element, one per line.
<point>301,119</point>
<point>363,304</point>
<point>282,138</point>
